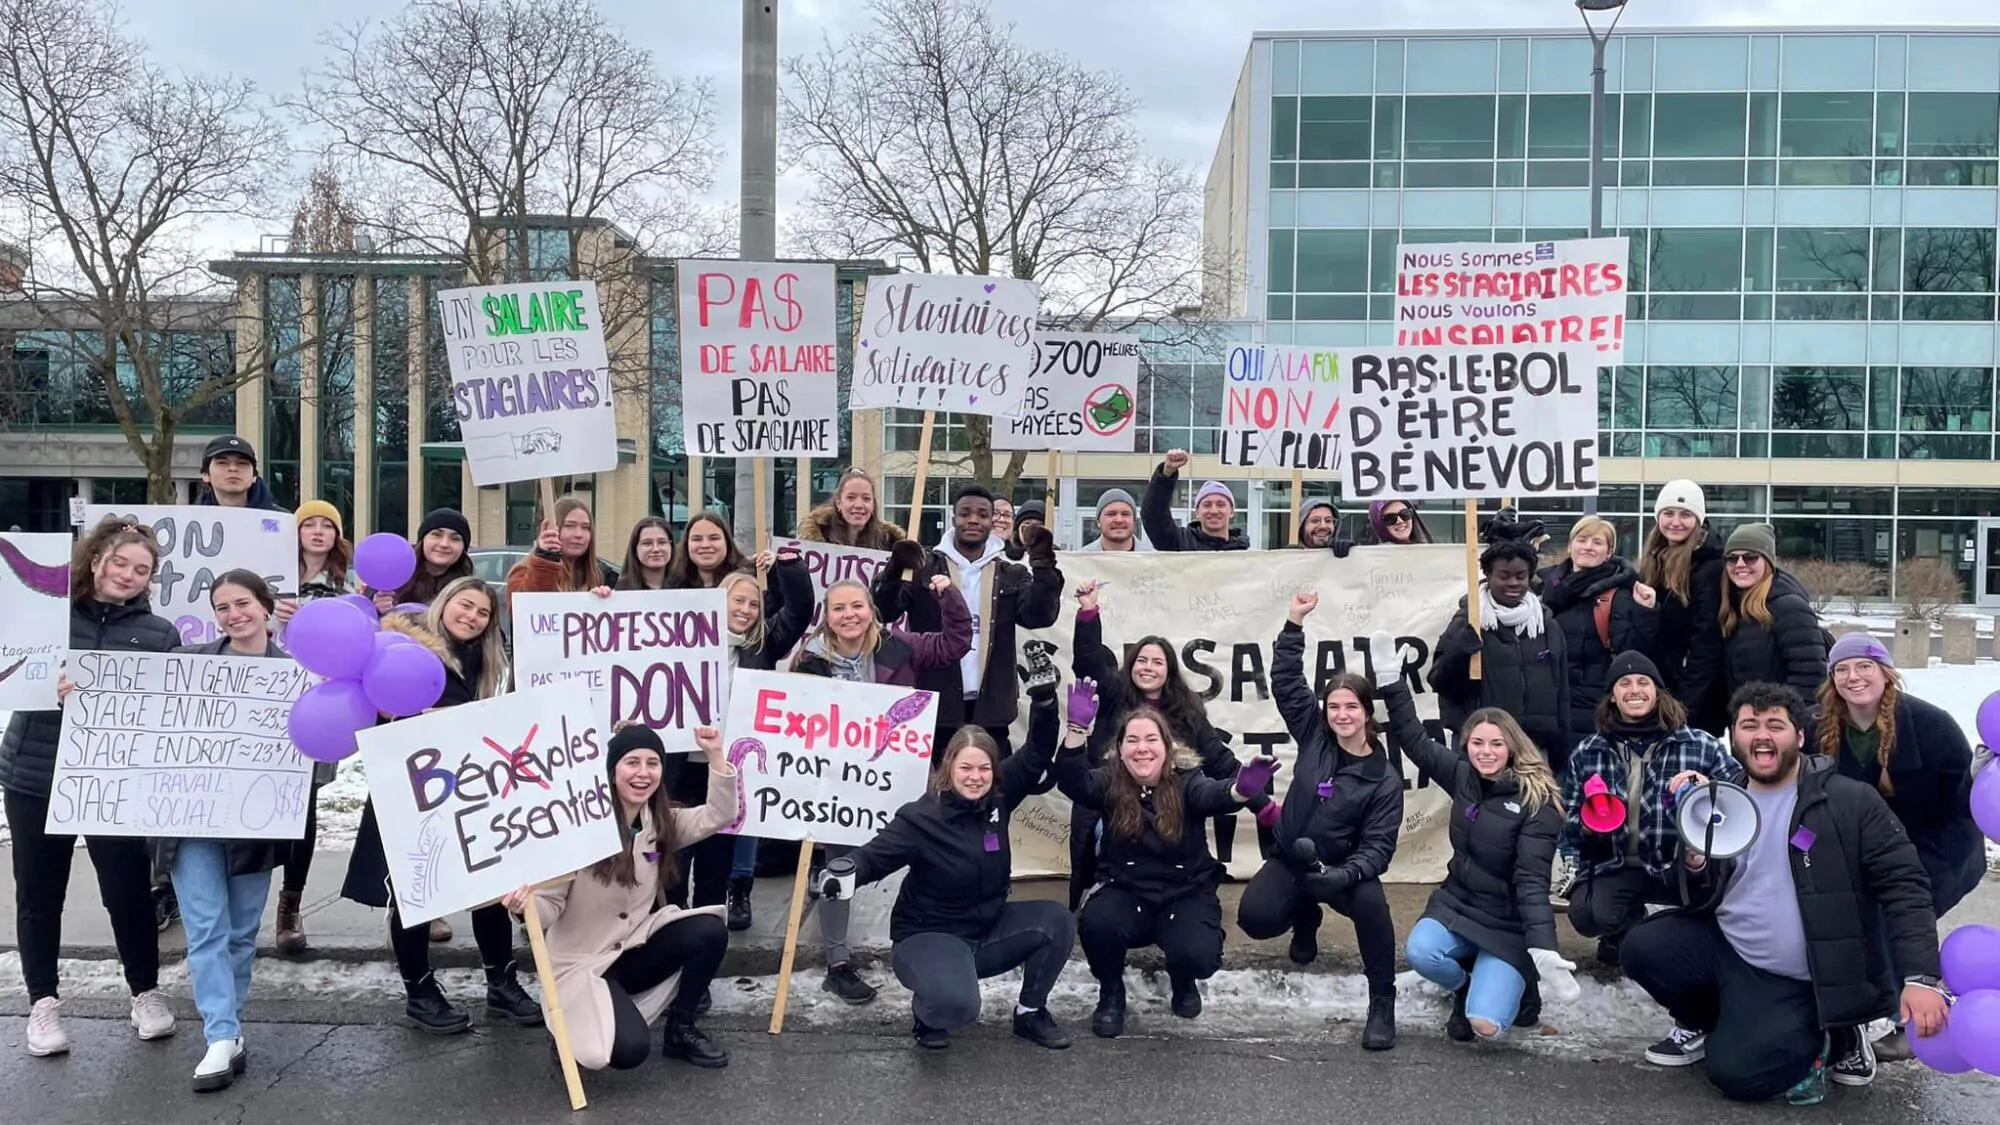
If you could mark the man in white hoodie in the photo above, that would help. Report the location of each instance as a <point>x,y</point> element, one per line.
<point>986,687</point>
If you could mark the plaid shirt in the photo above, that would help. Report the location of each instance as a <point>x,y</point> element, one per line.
<point>1668,754</point>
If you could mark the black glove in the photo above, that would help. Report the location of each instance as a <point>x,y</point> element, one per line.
<point>907,556</point>
<point>1341,547</point>
<point>1505,525</point>
<point>1039,674</point>
<point>1040,546</point>
<point>1327,884</point>
<point>1464,641</point>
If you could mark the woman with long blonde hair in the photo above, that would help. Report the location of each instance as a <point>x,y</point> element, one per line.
<point>1603,609</point>
<point>1506,813</point>
<point>1766,631</point>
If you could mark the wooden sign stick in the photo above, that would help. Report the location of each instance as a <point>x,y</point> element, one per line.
<point>552,1011</point>
<point>1471,578</point>
<point>792,936</point>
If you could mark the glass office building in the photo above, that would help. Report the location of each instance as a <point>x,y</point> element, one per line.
<point>1812,330</point>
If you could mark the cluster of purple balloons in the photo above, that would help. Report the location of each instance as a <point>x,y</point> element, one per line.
<point>368,672</point>
<point>1971,954</point>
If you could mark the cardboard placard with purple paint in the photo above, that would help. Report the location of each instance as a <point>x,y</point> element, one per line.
<point>34,602</point>
<point>200,541</point>
<point>657,657</point>
<point>946,342</point>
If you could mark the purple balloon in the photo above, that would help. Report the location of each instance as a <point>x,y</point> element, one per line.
<point>332,638</point>
<point>324,720</point>
<point>1971,957</point>
<point>361,602</point>
<point>1989,720</point>
<point>1938,1052</point>
<point>388,639</point>
<point>403,680</point>
<point>1975,1029</point>
<point>385,561</point>
<point>1986,802</point>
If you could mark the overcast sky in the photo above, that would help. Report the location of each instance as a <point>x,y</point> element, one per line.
<point>1180,57</point>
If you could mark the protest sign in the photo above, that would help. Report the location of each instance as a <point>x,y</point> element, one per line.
<point>828,563</point>
<point>180,745</point>
<point>1503,422</point>
<point>1491,294</point>
<point>1221,612</point>
<point>530,380</point>
<point>759,368</point>
<point>1281,408</point>
<point>34,602</point>
<point>946,342</point>
<point>824,759</point>
<point>1081,397</point>
<point>657,657</point>
<point>200,541</point>
<point>475,800</point>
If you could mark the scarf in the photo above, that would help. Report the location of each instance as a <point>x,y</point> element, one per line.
<point>1647,729</point>
<point>858,669</point>
<point>1524,618</point>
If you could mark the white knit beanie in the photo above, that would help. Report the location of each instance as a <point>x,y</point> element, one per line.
<point>1681,494</point>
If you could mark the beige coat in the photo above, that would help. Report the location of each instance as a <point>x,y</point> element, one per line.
<point>588,924</point>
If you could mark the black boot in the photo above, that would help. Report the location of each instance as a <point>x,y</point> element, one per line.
<point>739,903</point>
<point>1456,1027</point>
<point>1187,999</point>
<point>1305,942</point>
<point>1108,1021</point>
<point>683,1040</point>
<point>507,999</point>
<point>1530,1012</point>
<point>427,1008</point>
<point>1380,1034</point>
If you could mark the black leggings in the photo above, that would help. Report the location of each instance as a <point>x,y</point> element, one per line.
<point>1274,902</point>
<point>300,863</point>
<point>492,931</point>
<point>691,946</point>
<point>41,887</point>
<point>1188,931</point>
<point>943,971</point>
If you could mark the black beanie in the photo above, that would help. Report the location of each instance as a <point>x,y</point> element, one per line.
<point>1632,662</point>
<point>445,519</point>
<point>638,736</point>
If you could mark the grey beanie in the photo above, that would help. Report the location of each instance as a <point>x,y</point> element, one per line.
<point>1116,496</point>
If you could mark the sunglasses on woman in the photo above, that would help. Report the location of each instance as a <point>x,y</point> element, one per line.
<point>1741,558</point>
<point>1402,516</point>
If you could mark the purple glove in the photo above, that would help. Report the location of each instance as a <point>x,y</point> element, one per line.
<point>1083,703</point>
<point>1268,814</point>
<point>1255,776</point>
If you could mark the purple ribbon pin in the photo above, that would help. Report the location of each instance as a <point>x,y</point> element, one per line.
<point>651,857</point>
<point>993,841</point>
<point>1472,812</point>
<point>1325,789</point>
<point>1803,838</point>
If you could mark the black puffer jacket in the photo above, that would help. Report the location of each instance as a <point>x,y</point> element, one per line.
<point>1860,873</point>
<point>1154,868</point>
<point>957,851</point>
<point>1526,677</point>
<point>1156,515</point>
<point>1011,597</point>
<point>1931,773</point>
<point>1681,620</point>
<point>1573,598</point>
<point>28,753</point>
<point>1790,650</point>
<point>1356,819</point>
<point>1496,888</point>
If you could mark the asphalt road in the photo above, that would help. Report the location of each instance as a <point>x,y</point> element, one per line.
<point>307,1065</point>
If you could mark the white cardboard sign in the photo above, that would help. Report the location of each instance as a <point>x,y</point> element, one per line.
<point>34,602</point>
<point>652,656</point>
<point>946,342</point>
<point>1082,397</point>
<point>180,745</point>
<point>197,543</point>
<point>474,801</point>
<point>1281,408</point>
<point>1568,294</point>
<point>530,380</point>
<point>760,369</point>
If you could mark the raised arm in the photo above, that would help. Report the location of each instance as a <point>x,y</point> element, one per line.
<point>1156,510</point>
<point>788,615</point>
<point>949,645</point>
<point>1018,775</point>
<point>1296,704</point>
<point>1039,601</point>
<point>1074,775</point>
<point>1432,759</point>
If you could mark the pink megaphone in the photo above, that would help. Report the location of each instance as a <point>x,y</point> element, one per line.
<point>1603,811</point>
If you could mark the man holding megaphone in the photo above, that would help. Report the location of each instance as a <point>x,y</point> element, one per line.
<point>1781,961</point>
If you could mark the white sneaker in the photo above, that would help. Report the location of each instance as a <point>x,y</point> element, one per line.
<point>151,1015</point>
<point>45,1030</point>
<point>217,1068</point>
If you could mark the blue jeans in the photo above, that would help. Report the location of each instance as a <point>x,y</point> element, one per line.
<point>1495,996</point>
<point>743,865</point>
<point>220,914</point>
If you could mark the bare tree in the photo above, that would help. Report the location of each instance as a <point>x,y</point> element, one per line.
<point>458,121</point>
<point>116,165</point>
<point>938,139</point>
<point>324,222</point>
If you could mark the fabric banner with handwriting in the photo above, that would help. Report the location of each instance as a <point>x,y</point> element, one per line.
<point>180,745</point>
<point>34,602</point>
<point>825,760</point>
<point>946,342</point>
<point>1082,396</point>
<point>475,800</point>
<point>198,542</point>
<point>530,380</point>
<point>759,370</point>
<point>657,657</point>
<point>1222,611</point>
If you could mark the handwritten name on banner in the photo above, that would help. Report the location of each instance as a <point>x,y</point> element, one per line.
<point>1568,294</point>
<point>475,800</point>
<point>1081,397</point>
<point>34,602</point>
<point>531,383</point>
<point>823,759</point>
<point>946,342</point>
<point>760,373</point>
<point>180,745</point>
<point>1281,408</point>
<point>656,656</point>
<point>1470,423</point>
<point>200,541</point>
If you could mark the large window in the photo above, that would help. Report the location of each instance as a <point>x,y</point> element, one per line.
<point>1819,398</point>
<point>1695,126</point>
<point>335,396</point>
<point>1953,139</point>
<point>1333,128</point>
<point>389,371</point>
<point>1821,273</point>
<point>279,459</point>
<point>1690,398</point>
<point>1332,261</point>
<point>1449,128</point>
<point>1954,268</point>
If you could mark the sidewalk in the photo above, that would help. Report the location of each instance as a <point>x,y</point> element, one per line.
<point>341,931</point>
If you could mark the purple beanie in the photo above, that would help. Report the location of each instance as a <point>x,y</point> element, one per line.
<point>1858,646</point>
<point>1215,488</point>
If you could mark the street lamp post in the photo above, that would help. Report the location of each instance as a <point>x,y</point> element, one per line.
<point>1597,41</point>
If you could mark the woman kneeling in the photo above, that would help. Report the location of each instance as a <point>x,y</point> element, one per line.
<point>618,961</point>
<point>1156,878</point>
